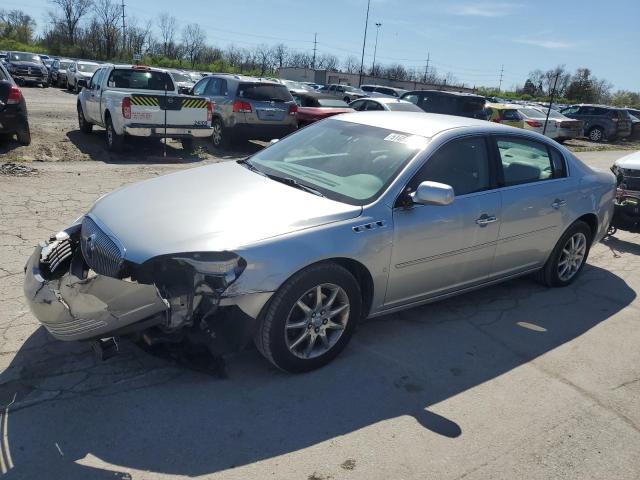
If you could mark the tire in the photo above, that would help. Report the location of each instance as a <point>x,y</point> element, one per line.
<point>24,135</point>
<point>596,134</point>
<point>347,100</point>
<point>45,85</point>
<point>85,127</point>
<point>187,144</point>
<point>220,137</point>
<point>76,89</point>
<point>551,273</point>
<point>290,338</point>
<point>115,142</point>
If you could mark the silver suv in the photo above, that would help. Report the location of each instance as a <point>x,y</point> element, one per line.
<point>247,108</point>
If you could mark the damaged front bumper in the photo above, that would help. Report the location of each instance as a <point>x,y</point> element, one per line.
<point>73,308</point>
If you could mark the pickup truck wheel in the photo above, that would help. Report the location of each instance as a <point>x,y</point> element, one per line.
<point>24,134</point>
<point>115,142</point>
<point>85,127</point>
<point>310,319</point>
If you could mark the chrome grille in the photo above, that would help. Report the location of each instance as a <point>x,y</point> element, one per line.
<point>100,251</point>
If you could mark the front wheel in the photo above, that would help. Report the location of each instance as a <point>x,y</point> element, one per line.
<point>310,319</point>
<point>85,127</point>
<point>596,134</point>
<point>568,257</point>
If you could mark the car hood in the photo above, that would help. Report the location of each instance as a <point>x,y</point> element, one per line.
<point>212,208</point>
<point>631,161</point>
<point>85,74</point>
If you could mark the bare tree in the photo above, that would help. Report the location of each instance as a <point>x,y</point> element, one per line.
<point>72,12</point>
<point>262,55</point>
<point>193,38</point>
<point>138,39</point>
<point>167,26</point>
<point>107,15</point>
<point>351,64</point>
<point>327,61</point>
<point>280,54</point>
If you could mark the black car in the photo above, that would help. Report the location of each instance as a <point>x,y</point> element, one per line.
<point>448,103</point>
<point>13,109</point>
<point>27,68</point>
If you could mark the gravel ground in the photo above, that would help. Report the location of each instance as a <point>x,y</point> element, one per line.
<point>513,381</point>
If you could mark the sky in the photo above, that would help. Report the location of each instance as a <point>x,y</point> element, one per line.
<point>473,40</point>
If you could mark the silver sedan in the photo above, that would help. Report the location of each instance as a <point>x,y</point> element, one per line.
<point>350,218</point>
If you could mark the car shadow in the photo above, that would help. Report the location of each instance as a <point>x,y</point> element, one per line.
<point>8,143</point>
<point>140,412</point>
<point>617,245</point>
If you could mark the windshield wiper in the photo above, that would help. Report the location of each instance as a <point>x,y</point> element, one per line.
<point>247,164</point>
<point>294,183</point>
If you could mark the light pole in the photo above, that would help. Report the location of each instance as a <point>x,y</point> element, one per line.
<point>364,42</point>
<point>375,49</point>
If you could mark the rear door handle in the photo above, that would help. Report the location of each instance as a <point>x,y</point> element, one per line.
<point>557,203</point>
<point>485,220</point>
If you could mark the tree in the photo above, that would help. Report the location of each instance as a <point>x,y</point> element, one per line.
<point>71,13</point>
<point>193,38</point>
<point>107,16</point>
<point>16,25</point>
<point>280,54</point>
<point>351,64</point>
<point>167,26</point>
<point>262,56</point>
<point>625,98</point>
<point>529,88</point>
<point>327,61</point>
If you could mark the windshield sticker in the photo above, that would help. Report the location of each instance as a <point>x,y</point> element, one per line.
<point>413,141</point>
<point>396,137</point>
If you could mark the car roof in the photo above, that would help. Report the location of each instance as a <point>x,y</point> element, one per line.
<point>246,78</point>
<point>505,106</point>
<point>445,92</point>
<point>87,62</point>
<point>385,100</point>
<point>418,123</point>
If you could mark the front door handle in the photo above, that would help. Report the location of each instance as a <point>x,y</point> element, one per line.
<point>557,203</point>
<point>485,220</point>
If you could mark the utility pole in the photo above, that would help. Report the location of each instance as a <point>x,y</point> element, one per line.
<point>124,41</point>
<point>426,68</point>
<point>375,49</point>
<point>364,42</point>
<point>501,72</point>
<point>315,47</point>
<point>553,94</point>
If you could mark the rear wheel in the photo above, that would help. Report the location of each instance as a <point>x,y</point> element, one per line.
<point>596,134</point>
<point>24,134</point>
<point>115,142</point>
<point>220,136</point>
<point>85,127</point>
<point>310,319</point>
<point>568,257</point>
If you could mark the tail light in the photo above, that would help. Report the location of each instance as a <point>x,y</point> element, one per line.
<point>126,107</point>
<point>533,123</point>
<point>293,109</point>
<point>209,112</point>
<point>15,95</point>
<point>241,107</point>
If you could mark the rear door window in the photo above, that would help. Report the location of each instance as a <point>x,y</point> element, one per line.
<point>213,88</point>
<point>412,98</point>
<point>526,161</point>
<point>201,86</point>
<point>510,115</point>
<point>264,92</point>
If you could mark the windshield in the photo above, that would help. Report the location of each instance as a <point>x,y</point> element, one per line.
<point>24,57</point>
<point>87,67</point>
<point>264,92</point>
<point>533,113</point>
<point>403,107</point>
<point>140,79</point>
<point>345,161</point>
<point>296,85</point>
<point>330,102</point>
<point>65,65</point>
<point>348,88</point>
<point>181,77</point>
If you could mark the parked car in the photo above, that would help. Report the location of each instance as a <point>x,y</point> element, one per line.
<point>384,90</point>
<point>600,121</point>
<point>141,101</point>
<point>346,92</point>
<point>13,109</point>
<point>505,113</point>
<point>385,103</point>
<point>27,68</point>
<point>353,217</point>
<point>449,103</point>
<point>183,81</point>
<point>313,106</point>
<point>627,171</point>
<point>79,73</point>
<point>559,127</point>
<point>296,87</point>
<point>58,72</point>
<point>634,114</point>
<point>248,108</point>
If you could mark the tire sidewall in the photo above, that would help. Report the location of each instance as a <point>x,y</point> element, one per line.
<point>278,309</point>
<point>551,276</point>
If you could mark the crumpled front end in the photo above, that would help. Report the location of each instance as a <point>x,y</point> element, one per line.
<point>80,287</point>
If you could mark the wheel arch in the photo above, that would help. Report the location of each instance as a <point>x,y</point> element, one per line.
<point>590,219</point>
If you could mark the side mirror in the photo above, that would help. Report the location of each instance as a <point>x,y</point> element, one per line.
<point>433,193</point>
<point>274,141</point>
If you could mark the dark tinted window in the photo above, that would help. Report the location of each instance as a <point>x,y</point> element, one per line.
<point>372,106</point>
<point>3,74</point>
<point>387,91</point>
<point>472,105</point>
<point>463,164</point>
<point>412,97</point>
<point>359,105</point>
<point>264,92</point>
<point>24,57</point>
<point>140,79</point>
<point>510,115</point>
<point>367,88</point>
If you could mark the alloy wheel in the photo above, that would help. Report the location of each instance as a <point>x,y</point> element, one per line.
<point>572,256</point>
<point>217,134</point>
<point>595,135</point>
<point>317,321</point>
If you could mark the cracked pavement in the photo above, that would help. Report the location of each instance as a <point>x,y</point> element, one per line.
<point>513,381</point>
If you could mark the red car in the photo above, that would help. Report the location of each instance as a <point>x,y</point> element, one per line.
<point>316,106</point>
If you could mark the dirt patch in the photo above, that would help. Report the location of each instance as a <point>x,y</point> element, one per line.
<point>584,145</point>
<point>17,170</point>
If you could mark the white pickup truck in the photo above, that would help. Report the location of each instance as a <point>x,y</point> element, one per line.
<point>143,102</point>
